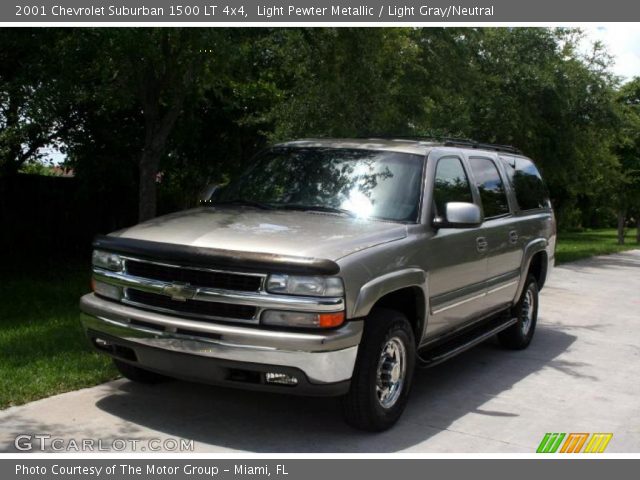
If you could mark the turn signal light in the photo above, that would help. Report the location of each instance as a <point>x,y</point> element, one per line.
<point>328,320</point>
<point>282,318</point>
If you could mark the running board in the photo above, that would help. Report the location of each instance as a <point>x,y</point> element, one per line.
<point>432,355</point>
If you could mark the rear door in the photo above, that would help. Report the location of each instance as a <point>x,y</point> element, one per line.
<point>533,216</point>
<point>500,231</point>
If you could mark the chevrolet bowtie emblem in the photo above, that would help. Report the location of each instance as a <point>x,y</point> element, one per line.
<point>180,292</point>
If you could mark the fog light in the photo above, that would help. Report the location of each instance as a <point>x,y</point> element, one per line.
<point>102,344</point>
<point>280,379</point>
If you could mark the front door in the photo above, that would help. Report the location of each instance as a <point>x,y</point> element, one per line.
<point>457,261</point>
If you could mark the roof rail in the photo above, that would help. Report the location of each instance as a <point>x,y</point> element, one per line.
<point>465,142</point>
<point>413,138</point>
<point>449,142</point>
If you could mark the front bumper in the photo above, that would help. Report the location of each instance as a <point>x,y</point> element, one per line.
<point>322,362</point>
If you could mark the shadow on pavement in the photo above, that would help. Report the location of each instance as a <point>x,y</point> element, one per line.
<point>263,422</point>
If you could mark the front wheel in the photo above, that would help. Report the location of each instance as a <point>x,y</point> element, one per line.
<point>518,336</point>
<point>384,369</point>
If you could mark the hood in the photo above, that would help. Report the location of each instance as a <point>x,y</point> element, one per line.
<point>280,232</point>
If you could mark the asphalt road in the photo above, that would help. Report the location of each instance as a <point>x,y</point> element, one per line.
<point>580,374</point>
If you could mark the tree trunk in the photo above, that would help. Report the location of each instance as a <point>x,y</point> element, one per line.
<point>162,93</point>
<point>148,169</point>
<point>621,218</point>
<point>158,129</point>
<point>11,149</point>
<point>638,228</point>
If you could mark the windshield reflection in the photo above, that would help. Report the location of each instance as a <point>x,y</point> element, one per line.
<point>362,183</point>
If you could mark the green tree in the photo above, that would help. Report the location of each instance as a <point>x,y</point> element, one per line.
<point>628,150</point>
<point>157,70</point>
<point>539,94</point>
<point>344,82</point>
<point>170,81</point>
<point>195,104</point>
<point>33,110</point>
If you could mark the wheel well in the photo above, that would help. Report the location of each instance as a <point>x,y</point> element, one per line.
<point>538,268</point>
<point>410,301</point>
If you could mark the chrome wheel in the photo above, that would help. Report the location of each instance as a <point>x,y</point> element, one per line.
<point>391,373</point>
<point>528,308</point>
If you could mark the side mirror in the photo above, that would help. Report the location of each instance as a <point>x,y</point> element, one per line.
<point>459,215</point>
<point>207,192</point>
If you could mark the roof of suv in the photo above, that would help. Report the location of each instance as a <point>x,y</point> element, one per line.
<point>405,146</point>
<point>418,147</point>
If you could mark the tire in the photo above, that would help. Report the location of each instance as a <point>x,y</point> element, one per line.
<point>518,336</point>
<point>137,374</point>
<point>381,382</point>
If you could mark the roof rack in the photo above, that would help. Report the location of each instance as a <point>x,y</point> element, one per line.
<point>465,142</point>
<point>450,142</point>
<point>411,138</point>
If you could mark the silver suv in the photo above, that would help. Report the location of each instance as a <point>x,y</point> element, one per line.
<point>331,267</point>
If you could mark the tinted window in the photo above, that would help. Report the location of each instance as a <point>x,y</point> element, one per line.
<point>368,183</point>
<point>451,184</point>
<point>525,178</point>
<point>492,193</point>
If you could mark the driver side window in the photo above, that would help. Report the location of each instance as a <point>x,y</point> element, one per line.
<point>451,184</point>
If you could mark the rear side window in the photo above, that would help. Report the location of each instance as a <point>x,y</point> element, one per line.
<point>492,192</point>
<point>527,183</point>
<point>451,184</point>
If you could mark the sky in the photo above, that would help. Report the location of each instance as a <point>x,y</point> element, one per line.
<point>622,41</point>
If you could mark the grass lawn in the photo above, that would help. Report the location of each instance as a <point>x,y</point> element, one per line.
<point>43,350</point>
<point>574,246</point>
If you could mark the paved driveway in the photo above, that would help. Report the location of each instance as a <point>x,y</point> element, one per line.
<point>581,374</point>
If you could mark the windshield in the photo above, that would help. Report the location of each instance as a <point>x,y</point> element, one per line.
<point>364,183</point>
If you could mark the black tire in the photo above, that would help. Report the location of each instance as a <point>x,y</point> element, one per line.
<point>518,336</point>
<point>363,406</point>
<point>137,374</point>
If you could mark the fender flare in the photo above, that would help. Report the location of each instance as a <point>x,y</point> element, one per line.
<point>532,248</point>
<point>375,289</point>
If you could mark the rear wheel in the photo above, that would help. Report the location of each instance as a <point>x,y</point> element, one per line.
<point>137,374</point>
<point>518,336</point>
<point>384,369</point>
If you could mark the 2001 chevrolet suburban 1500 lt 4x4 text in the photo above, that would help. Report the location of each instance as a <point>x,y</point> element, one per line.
<point>331,267</point>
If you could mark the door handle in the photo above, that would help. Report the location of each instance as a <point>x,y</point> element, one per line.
<point>481,244</point>
<point>513,237</point>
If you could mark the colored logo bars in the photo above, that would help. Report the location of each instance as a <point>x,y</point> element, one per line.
<point>574,442</point>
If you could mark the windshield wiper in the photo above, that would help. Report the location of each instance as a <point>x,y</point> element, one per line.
<point>316,208</point>
<point>244,202</point>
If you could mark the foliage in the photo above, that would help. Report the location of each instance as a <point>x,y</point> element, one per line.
<point>33,110</point>
<point>572,246</point>
<point>143,109</point>
<point>628,148</point>
<point>552,104</point>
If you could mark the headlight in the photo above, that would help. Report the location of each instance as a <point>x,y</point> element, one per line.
<point>299,285</point>
<point>302,319</point>
<point>106,260</point>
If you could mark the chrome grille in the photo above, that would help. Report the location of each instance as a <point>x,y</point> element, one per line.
<point>197,277</point>
<point>203,293</point>
<point>190,308</point>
